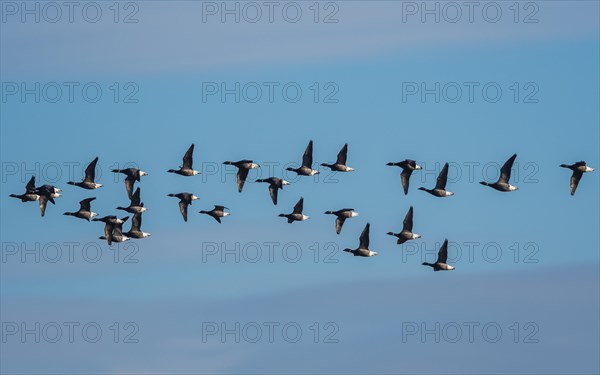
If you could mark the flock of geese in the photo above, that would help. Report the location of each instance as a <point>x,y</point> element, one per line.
<point>113,228</point>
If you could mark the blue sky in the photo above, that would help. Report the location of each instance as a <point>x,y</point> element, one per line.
<point>176,286</point>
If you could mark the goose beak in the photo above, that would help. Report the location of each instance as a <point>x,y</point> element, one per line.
<point>194,197</point>
<point>418,167</point>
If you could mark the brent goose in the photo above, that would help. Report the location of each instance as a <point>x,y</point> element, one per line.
<point>340,164</point>
<point>363,247</point>
<point>185,199</point>
<point>274,185</point>
<point>440,186</point>
<point>502,183</point>
<point>440,263</point>
<point>85,211</point>
<point>133,175</point>
<point>90,175</point>
<point>578,170</point>
<point>135,206</point>
<point>113,229</point>
<point>342,215</point>
<point>406,233</point>
<point>30,194</point>
<point>307,160</point>
<point>217,213</point>
<point>244,167</point>
<point>408,166</point>
<point>46,193</point>
<point>186,168</point>
<point>296,215</point>
<point>136,231</point>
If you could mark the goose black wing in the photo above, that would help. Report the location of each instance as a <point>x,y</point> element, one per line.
<point>108,231</point>
<point>443,253</point>
<point>135,198</point>
<point>575,177</point>
<point>342,155</point>
<point>43,202</point>
<point>405,177</point>
<point>273,193</point>
<point>339,223</point>
<point>505,171</point>
<point>85,205</point>
<point>307,158</point>
<point>129,181</point>
<point>183,208</point>
<point>442,178</point>
<point>408,221</point>
<point>30,187</point>
<point>90,171</point>
<point>299,206</point>
<point>188,158</point>
<point>136,222</point>
<point>242,174</point>
<point>364,237</point>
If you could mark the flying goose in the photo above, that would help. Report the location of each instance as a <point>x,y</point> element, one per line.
<point>296,215</point>
<point>30,194</point>
<point>440,186</point>
<point>406,233</point>
<point>340,164</point>
<point>502,183</point>
<point>85,211</point>
<point>217,213</point>
<point>244,167</point>
<point>133,175</point>
<point>90,175</point>
<point>113,229</point>
<point>440,263</point>
<point>46,193</point>
<point>135,206</point>
<point>185,199</point>
<point>307,160</point>
<point>578,169</point>
<point>136,231</point>
<point>186,168</point>
<point>363,247</point>
<point>274,185</point>
<point>408,166</point>
<point>342,215</point>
